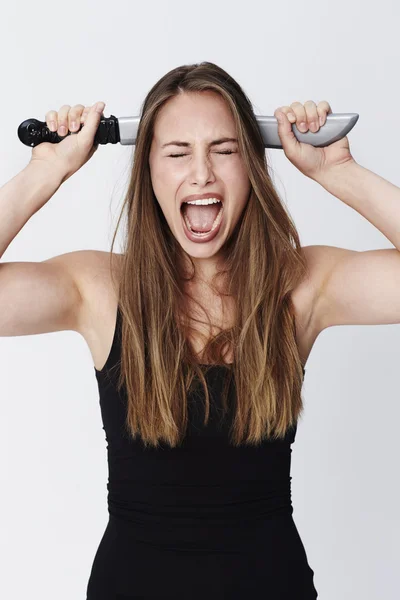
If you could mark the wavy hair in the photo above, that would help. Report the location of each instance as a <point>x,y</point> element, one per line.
<point>263,265</point>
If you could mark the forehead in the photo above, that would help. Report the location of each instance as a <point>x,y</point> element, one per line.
<point>194,116</point>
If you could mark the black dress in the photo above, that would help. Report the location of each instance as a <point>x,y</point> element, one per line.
<point>205,520</point>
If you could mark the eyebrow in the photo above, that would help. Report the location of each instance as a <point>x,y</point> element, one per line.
<point>213,143</point>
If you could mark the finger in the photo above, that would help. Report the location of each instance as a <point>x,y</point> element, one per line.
<point>301,117</point>
<point>286,135</point>
<point>92,123</point>
<point>63,120</point>
<point>51,120</point>
<point>312,115</point>
<point>288,112</point>
<point>74,117</point>
<point>323,109</point>
<point>85,113</point>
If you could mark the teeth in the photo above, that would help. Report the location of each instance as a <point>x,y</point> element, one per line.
<point>204,201</point>
<point>217,220</point>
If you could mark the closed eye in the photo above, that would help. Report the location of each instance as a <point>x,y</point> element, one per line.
<point>224,152</point>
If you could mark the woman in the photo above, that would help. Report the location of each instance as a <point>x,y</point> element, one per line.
<point>199,339</point>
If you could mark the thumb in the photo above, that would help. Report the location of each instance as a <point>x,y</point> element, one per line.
<point>288,139</point>
<point>92,121</point>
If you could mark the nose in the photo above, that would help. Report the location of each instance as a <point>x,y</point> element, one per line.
<point>201,170</point>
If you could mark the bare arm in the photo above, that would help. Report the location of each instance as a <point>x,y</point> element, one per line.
<point>356,288</point>
<point>34,297</point>
<point>22,197</point>
<point>46,296</point>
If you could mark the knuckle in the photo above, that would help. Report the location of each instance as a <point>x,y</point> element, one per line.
<point>73,115</point>
<point>298,110</point>
<point>76,110</point>
<point>85,113</point>
<point>51,115</point>
<point>311,113</point>
<point>63,112</point>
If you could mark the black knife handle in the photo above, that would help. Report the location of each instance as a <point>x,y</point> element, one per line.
<point>33,132</point>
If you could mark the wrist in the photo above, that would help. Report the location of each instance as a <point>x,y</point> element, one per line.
<point>47,172</point>
<point>332,177</point>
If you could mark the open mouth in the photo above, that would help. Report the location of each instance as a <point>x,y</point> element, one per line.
<point>202,216</point>
<point>215,224</point>
<point>207,232</point>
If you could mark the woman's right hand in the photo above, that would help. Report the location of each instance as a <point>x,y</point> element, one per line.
<point>69,155</point>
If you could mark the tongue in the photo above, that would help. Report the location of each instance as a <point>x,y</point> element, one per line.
<point>201,217</point>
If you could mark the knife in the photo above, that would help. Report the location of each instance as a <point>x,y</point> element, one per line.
<point>123,130</point>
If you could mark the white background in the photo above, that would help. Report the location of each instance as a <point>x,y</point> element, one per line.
<point>345,486</point>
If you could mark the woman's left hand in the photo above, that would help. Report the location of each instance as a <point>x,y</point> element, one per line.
<point>312,162</point>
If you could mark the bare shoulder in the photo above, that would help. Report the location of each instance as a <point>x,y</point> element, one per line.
<point>97,274</point>
<point>98,278</point>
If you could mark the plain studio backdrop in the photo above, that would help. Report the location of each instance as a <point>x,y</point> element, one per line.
<point>345,475</point>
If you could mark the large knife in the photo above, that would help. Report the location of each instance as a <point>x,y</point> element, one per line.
<point>123,130</point>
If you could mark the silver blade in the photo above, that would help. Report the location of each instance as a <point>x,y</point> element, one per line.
<point>335,127</point>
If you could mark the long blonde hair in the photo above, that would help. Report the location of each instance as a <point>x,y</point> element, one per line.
<point>263,265</point>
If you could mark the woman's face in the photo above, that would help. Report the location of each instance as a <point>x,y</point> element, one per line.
<point>198,119</point>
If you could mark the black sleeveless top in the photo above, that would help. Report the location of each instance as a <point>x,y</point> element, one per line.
<point>216,515</point>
